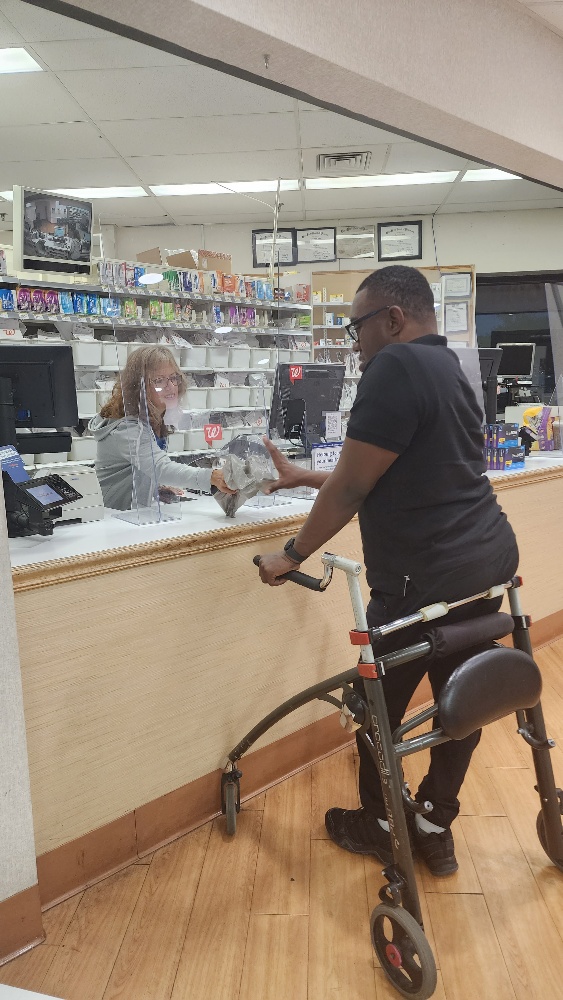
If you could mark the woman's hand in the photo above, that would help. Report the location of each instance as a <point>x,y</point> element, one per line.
<point>218,480</point>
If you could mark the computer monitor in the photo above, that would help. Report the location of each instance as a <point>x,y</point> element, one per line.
<point>517,360</point>
<point>39,379</point>
<point>302,395</point>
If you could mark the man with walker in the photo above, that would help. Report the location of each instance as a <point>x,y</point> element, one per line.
<point>412,468</point>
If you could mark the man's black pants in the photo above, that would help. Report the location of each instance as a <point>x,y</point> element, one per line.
<point>448,761</point>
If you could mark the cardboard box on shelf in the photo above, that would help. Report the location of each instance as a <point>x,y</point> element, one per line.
<point>201,260</point>
<point>153,256</point>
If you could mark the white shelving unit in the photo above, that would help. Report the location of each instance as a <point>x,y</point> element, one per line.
<point>270,335</point>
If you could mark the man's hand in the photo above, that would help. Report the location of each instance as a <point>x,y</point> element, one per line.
<point>290,475</point>
<point>274,566</point>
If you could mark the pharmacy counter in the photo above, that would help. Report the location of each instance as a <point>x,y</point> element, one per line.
<point>148,652</point>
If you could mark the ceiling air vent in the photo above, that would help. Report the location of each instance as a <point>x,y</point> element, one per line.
<point>343,163</point>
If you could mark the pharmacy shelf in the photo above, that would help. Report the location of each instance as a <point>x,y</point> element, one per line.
<point>121,322</point>
<point>316,304</point>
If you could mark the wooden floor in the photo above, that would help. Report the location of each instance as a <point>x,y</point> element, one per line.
<point>281,913</point>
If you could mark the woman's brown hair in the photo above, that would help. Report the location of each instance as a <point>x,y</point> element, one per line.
<point>126,394</point>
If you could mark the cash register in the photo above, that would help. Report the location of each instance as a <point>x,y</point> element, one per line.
<point>37,390</point>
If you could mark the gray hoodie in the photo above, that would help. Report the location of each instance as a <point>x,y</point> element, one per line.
<point>124,441</point>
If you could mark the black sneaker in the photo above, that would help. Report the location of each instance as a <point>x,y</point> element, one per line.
<point>436,850</point>
<point>357,831</point>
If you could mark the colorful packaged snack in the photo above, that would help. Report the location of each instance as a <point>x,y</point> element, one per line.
<point>268,291</point>
<point>24,298</point>
<point>217,315</point>
<point>260,292</point>
<point>130,308</point>
<point>52,303</point>
<point>129,275</point>
<point>229,284</point>
<point>92,304</point>
<point>6,299</point>
<point>139,271</point>
<point>120,274</point>
<point>79,300</point>
<point>240,289</point>
<point>66,302</point>
<point>187,312</point>
<point>168,312</point>
<point>234,317</point>
<point>38,300</point>
<point>250,284</point>
<point>110,307</point>
<point>154,309</point>
<point>177,310</point>
<point>172,276</point>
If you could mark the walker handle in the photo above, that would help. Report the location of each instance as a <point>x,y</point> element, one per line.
<point>303,579</point>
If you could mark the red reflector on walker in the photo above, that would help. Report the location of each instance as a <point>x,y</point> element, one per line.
<point>368,670</point>
<point>359,638</point>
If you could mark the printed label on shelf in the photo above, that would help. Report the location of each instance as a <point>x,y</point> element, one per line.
<point>212,432</point>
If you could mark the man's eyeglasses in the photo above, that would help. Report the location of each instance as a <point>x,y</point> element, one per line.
<point>353,327</point>
<point>161,383</point>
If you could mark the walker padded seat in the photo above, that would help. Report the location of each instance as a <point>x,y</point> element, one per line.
<point>486,687</point>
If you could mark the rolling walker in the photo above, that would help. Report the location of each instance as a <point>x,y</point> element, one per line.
<point>483,688</point>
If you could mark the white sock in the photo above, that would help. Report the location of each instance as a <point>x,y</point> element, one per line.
<point>383,824</point>
<point>424,826</point>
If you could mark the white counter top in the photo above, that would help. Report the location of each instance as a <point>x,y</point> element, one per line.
<point>198,517</point>
<point>534,462</point>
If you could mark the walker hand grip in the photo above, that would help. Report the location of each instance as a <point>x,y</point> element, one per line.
<point>302,579</point>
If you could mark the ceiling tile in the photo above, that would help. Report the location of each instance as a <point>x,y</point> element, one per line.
<point>231,204</point>
<point>176,136</point>
<point>230,219</point>
<point>322,128</point>
<point>152,92</point>
<point>34,98</point>
<point>8,34</point>
<point>216,167</point>
<point>39,25</point>
<point>378,154</point>
<point>102,53</point>
<point>66,173</point>
<point>499,206</point>
<point>128,208</point>
<point>372,200</point>
<point>494,191</point>
<point>408,157</point>
<point>53,142</point>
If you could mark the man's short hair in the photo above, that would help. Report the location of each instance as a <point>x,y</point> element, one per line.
<point>402,286</point>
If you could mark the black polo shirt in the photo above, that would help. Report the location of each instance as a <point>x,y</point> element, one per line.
<point>433,511</point>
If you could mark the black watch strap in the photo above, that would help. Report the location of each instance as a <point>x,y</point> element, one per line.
<point>292,552</point>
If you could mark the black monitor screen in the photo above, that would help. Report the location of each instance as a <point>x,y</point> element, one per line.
<point>517,360</point>
<point>42,381</point>
<point>302,395</point>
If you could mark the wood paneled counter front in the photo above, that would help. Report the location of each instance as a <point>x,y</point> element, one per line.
<point>147,653</point>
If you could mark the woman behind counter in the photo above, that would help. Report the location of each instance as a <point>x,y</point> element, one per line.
<point>117,434</point>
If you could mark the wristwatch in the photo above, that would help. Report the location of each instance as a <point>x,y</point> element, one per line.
<point>292,552</point>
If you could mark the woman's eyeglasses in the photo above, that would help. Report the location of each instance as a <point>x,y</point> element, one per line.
<point>353,327</point>
<point>161,383</point>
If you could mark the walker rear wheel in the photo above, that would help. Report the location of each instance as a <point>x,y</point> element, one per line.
<point>540,827</point>
<point>405,955</point>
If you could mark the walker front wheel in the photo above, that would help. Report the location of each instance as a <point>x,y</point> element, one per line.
<point>403,951</point>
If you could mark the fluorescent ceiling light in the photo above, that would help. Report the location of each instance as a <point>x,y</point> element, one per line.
<point>99,192</point>
<point>236,187</point>
<point>381,180</point>
<point>18,61</point>
<point>489,174</point>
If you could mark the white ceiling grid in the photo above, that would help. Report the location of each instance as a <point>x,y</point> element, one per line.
<point>110,112</point>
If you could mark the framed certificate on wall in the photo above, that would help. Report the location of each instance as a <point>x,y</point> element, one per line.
<point>399,241</point>
<point>285,251</point>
